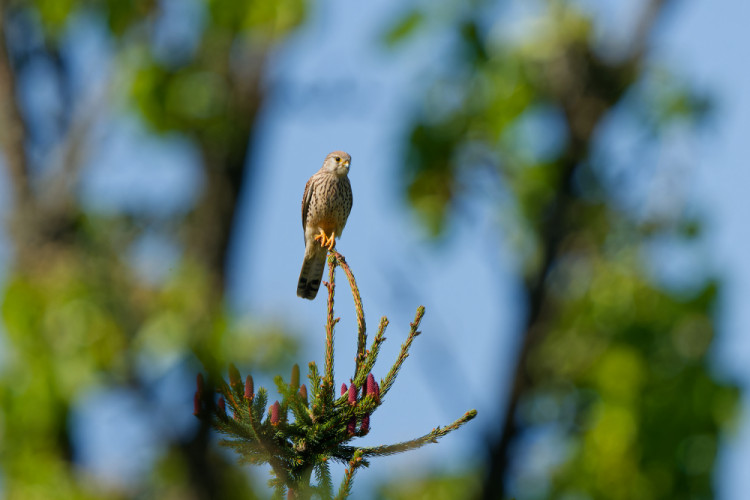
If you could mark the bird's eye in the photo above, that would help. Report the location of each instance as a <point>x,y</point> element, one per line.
<point>337,158</point>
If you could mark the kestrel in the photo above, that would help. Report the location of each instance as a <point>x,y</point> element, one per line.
<point>325,207</point>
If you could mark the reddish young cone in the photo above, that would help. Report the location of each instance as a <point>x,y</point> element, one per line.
<point>222,406</point>
<point>343,389</point>
<point>351,427</point>
<point>372,388</point>
<point>303,393</point>
<point>364,427</point>
<point>275,413</point>
<point>249,388</point>
<point>352,394</point>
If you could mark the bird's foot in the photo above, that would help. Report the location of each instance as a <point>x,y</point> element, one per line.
<point>331,242</point>
<point>321,237</point>
<point>325,241</point>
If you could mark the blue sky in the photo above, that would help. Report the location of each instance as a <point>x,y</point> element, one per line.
<point>332,86</point>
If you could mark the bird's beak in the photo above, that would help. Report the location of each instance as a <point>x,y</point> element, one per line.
<point>346,165</point>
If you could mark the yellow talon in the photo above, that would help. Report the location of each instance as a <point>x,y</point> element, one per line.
<point>325,241</point>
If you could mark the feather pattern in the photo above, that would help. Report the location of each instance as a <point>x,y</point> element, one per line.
<point>326,204</point>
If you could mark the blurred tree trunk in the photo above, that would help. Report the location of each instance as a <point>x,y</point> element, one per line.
<point>586,88</point>
<point>11,123</point>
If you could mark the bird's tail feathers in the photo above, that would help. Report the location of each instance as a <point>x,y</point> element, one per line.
<point>312,271</point>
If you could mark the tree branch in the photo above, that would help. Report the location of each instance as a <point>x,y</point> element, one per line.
<point>557,221</point>
<point>12,125</point>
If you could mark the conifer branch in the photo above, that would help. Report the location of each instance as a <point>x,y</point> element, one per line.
<point>431,437</point>
<point>346,484</point>
<point>386,384</point>
<point>330,323</point>
<point>314,379</point>
<point>322,424</point>
<point>361,326</point>
<point>325,483</point>
<point>370,356</point>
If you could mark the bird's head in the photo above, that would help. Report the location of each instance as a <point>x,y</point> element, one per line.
<point>337,163</point>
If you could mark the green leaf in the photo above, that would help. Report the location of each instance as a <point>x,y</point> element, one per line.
<point>404,28</point>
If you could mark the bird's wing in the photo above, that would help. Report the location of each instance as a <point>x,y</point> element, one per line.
<point>306,200</point>
<point>348,201</point>
<point>351,198</point>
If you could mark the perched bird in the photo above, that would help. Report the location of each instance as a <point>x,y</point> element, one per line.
<point>325,207</point>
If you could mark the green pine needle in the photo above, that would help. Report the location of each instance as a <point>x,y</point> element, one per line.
<point>322,427</point>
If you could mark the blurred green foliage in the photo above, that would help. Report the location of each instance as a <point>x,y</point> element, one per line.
<point>614,365</point>
<point>437,487</point>
<point>79,322</point>
<point>79,314</point>
<point>404,28</point>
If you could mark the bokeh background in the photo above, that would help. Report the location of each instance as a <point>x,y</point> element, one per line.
<point>560,183</point>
